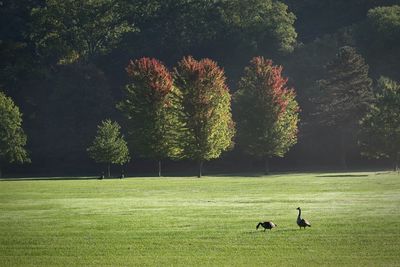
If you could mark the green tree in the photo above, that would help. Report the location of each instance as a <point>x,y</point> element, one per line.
<point>12,136</point>
<point>68,31</point>
<point>379,135</point>
<point>259,23</point>
<point>152,107</point>
<point>207,109</point>
<point>345,95</point>
<point>109,146</point>
<point>379,40</point>
<point>266,111</point>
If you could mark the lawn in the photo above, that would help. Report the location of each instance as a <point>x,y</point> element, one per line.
<point>210,221</point>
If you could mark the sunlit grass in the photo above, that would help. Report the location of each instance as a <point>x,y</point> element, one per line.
<point>209,221</point>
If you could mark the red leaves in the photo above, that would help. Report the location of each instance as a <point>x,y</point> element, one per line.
<point>273,84</point>
<point>203,71</point>
<point>153,74</point>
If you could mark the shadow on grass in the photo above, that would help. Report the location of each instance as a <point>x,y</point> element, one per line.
<point>50,179</point>
<point>282,229</point>
<point>343,175</point>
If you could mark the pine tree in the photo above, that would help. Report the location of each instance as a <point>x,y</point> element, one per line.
<point>379,135</point>
<point>109,146</point>
<point>266,111</point>
<point>345,95</point>
<point>152,108</point>
<point>207,109</point>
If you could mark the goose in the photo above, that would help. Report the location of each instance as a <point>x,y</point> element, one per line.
<point>301,222</point>
<point>266,225</point>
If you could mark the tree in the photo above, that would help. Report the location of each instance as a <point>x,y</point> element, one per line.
<point>151,106</point>
<point>379,40</point>
<point>109,146</point>
<point>316,18</point>
<point>68,31</point>
<point>12,136</point>
<point>379,135</point>
<point>259,23</point>
<point>207,109</point>
<point>266,111</point>
<point>345,95</point>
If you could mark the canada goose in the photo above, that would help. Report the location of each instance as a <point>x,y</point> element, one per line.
<point>301,222</point>
<point>266,225</point>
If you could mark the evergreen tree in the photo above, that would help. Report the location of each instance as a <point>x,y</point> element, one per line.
<point>207,109</point>
<point>266,111</point>
<point>345,95</point>
<point>109,146</point>
<point>379,135</point>
<point>12,136</point>
<point>152,107</point>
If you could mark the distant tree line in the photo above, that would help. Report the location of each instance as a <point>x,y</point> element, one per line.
<point>62,63</point>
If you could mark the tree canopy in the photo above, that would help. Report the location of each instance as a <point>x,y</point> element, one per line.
<point>207,109</point>
<point>12,136</point>
<point>379,135</point>
<point>79,30</point>
<point>265,110</point>
<point>152,108</point>
<point>52,51</point>
<point>109,146</point>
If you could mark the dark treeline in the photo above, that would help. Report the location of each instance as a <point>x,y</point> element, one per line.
<point>63,63</point>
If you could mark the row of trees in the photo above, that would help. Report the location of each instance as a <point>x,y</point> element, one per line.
<point>62,63</point>
<point>187,113</point>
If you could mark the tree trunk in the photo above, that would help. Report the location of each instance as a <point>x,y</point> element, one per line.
<point>396,163</point>
<point>108,170</point>
<point>266,166</point>
<point>200,168</point>
<point>0,172</point>
<point>343,150</point>
<point>159,168</point>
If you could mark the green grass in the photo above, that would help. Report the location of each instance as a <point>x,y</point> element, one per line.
<point>202,222</point>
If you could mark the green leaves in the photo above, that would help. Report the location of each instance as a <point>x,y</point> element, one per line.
<point>346,93</point>
<point>78,30</point>
<point>209,127</point>
<point>260,23</point>
<point>109,146</point>
<point>266,111</point>
<point>152,108</point>
<point>12,136</point>
<point>379,134</point>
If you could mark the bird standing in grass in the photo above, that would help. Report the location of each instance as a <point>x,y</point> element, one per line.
<point>266,225</point>
<point>302,222</point>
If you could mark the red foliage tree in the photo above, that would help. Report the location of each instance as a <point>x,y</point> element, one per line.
<point>149,105</point>
<point>207,109</point>
<point>266,111</point>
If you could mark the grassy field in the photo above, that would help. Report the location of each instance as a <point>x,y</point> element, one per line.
<point>210,221</point>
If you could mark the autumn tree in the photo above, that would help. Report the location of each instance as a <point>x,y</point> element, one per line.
<point>12,136</point>
<point>345,94</point>
<point>266,111</point>
<point>109,145</point>
<point>379,135</point>
<point>152,108</point>
<point>209,127</point>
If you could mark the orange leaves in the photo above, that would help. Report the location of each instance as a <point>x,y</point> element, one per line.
<point>153,74</point>
<point>272,83</point>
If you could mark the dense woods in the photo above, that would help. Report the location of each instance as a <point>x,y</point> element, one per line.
<point>69,65</point>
